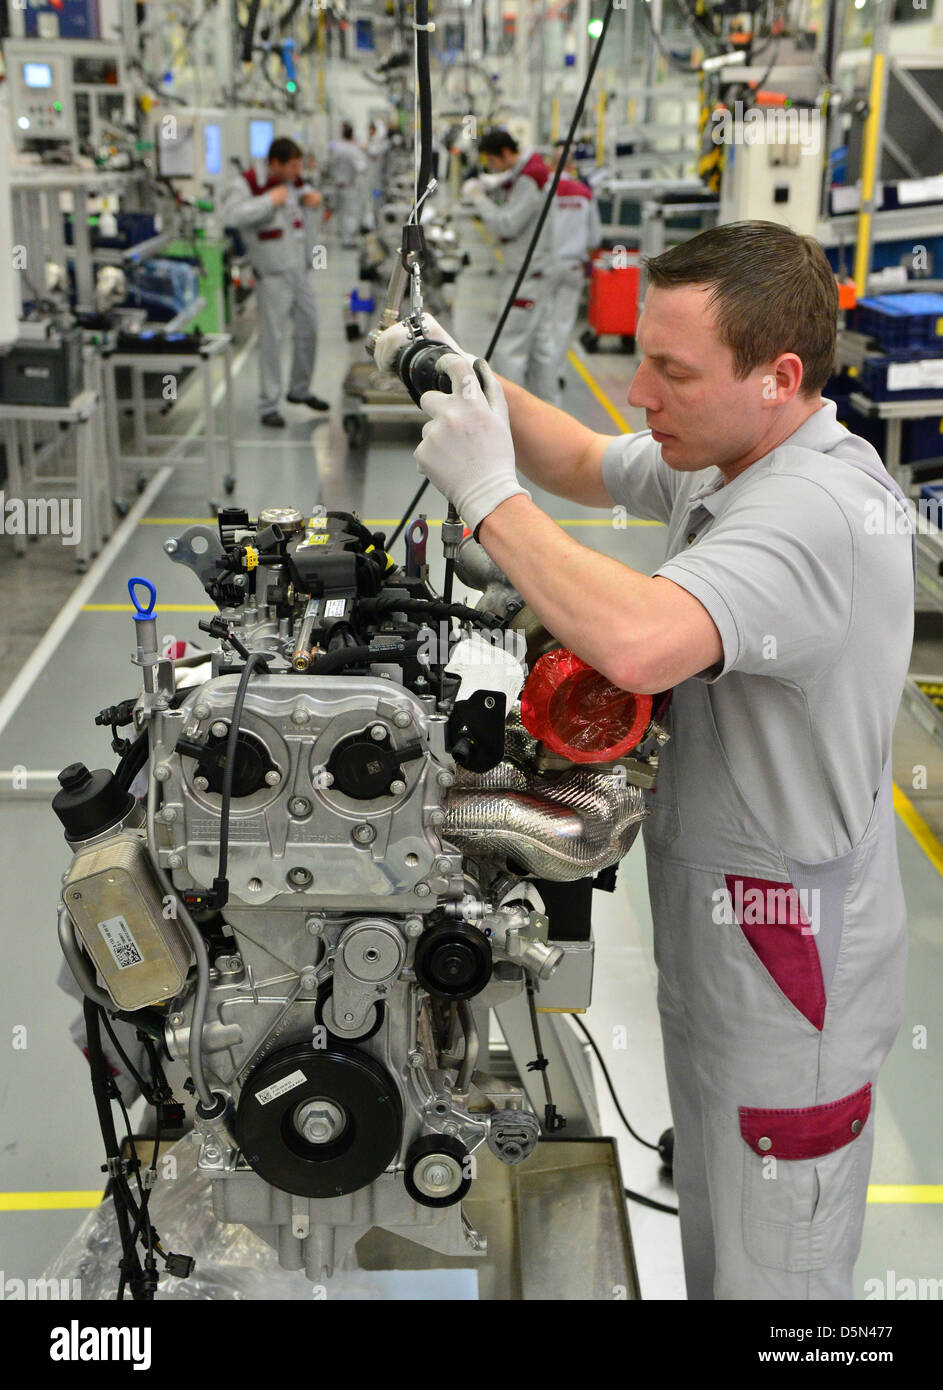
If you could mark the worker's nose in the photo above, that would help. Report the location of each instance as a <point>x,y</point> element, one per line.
<point>642,394</point>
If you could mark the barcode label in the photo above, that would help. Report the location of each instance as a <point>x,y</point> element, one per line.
<point>334,608</point>
<point>278,1088</point>
<point>120,942</point>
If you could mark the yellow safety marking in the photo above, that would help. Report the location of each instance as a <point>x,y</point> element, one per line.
<point>918,828</point>
<point>163,608</point>
<point>252,557</point>
<point>904,1193</point>
<point>580,367</point>
<point>48,1201</point>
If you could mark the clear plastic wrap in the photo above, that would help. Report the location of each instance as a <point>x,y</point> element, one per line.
<point>231,1262</point>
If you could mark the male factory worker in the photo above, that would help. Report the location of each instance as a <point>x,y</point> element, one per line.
<point>348,163</point>
<point>518,179</point>
<point>782,618</point>
<point>270,217</point>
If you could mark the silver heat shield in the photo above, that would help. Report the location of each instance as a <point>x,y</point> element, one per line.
<point>560,828</point>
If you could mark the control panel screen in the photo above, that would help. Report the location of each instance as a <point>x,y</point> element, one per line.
<point>212,150</point>
<point>261,135</point>
<point>37,75</point>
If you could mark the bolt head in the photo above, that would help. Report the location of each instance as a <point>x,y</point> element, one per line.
<point>273,777</point>
<point>378,732</point>
<point>364,834</point>
<point>299,715</point>
<point>444,779</point>
<point>170,813</point>
<point>443,866</point>
<point>201,711</point>
<point>402,719</point>
<point>438,817</point>
<point>201,784</point>
<point>162,772</point>
<point>299,876</point>
<point>175,861</point>
<point>299,806</point>
<point>413,928</point>
<point>422,890</point>
<point>170,546</point>
<point>397,787</point>
<point>219,728</point>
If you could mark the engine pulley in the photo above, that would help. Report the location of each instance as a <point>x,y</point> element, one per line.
<point>453,961</point>
<point>437,1171</point>
<point>319,1123</point>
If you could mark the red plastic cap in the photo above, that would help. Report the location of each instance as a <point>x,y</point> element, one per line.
<point>576,712</point>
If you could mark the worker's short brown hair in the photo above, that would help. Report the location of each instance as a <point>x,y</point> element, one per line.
<point>284,150</point>
<point>773,291</point>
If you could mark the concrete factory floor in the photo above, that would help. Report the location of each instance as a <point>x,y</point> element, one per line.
<point>50,1152</point>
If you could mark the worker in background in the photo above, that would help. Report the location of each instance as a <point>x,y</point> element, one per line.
<point>508,200</point>
<point>377,152</point>
<point>577,232</point>
<point>347,166</point>
<point>271,218</point>
<point>781,622</point>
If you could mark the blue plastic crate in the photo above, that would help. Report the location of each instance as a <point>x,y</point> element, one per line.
<point>902,320</point>
<point>875,371</point>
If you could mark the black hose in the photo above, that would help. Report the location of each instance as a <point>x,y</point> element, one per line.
<point>424,87</point>
<point>248,33</point>
<point>331,662</point>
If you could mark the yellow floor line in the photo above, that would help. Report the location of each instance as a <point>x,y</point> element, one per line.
<point>161,608</point>
<point>918,828</point>
<point>880,1194</point>
<point>48,1201</point>
<point>905,1193</point>
<point>580,367</point>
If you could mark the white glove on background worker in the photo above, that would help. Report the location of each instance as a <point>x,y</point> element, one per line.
<point>472,191</point>
<point>392,340</point>
<point>467,450</point>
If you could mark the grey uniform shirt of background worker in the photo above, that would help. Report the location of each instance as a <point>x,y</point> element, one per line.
<point>813,600</point>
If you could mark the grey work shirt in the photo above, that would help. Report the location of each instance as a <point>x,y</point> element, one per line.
<point>805,566</point>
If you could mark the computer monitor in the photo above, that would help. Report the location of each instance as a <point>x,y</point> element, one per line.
<point>213,149</point>
<point>261,135</point>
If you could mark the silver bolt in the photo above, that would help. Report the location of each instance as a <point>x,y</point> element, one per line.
<point>438,817</point>
<point>313,925</point>
<point>489,702</point>
<point>170,813</point>
<point>443,866</point>
<point>162,772</point>
<point>175,861</point>
<point>402,719</point>
<point>444,779</point>
<point>378,732</point>
<point>219,728</point>
<point>309,979</point>
<point>176,1018</point>
<point>450,1129</point>
<point>211,1155</point>
<point>160,702</point>
<point>299,877</point>
<point>201,784</point>
<point>273,777</point>
<point>299,806</point>
<point>416,1059</point>
<point>239,580</point>
<point>319,1121</point>
<point>397,787</point>
<point>413,928</point>
<point>436,1175</point>
<point>299,715</point>
<point>170,546</point>
<point>422,890</point>
<point>201,711</point>
<point>348,1018</point>
<point>364,834</point>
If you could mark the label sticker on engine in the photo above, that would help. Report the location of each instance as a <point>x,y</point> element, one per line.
<point>120,942</point>
<point>334,607</point>
<point>278,1088</point>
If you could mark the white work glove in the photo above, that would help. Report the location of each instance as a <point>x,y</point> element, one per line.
<point>472,191</point>
<point>392,341</point>
<point>466,448</point>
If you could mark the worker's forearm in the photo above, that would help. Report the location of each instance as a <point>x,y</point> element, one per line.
<point>599,608</point>
<point>548,444</point>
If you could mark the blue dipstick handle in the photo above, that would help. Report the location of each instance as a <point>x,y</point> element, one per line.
<point>142,614</point>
